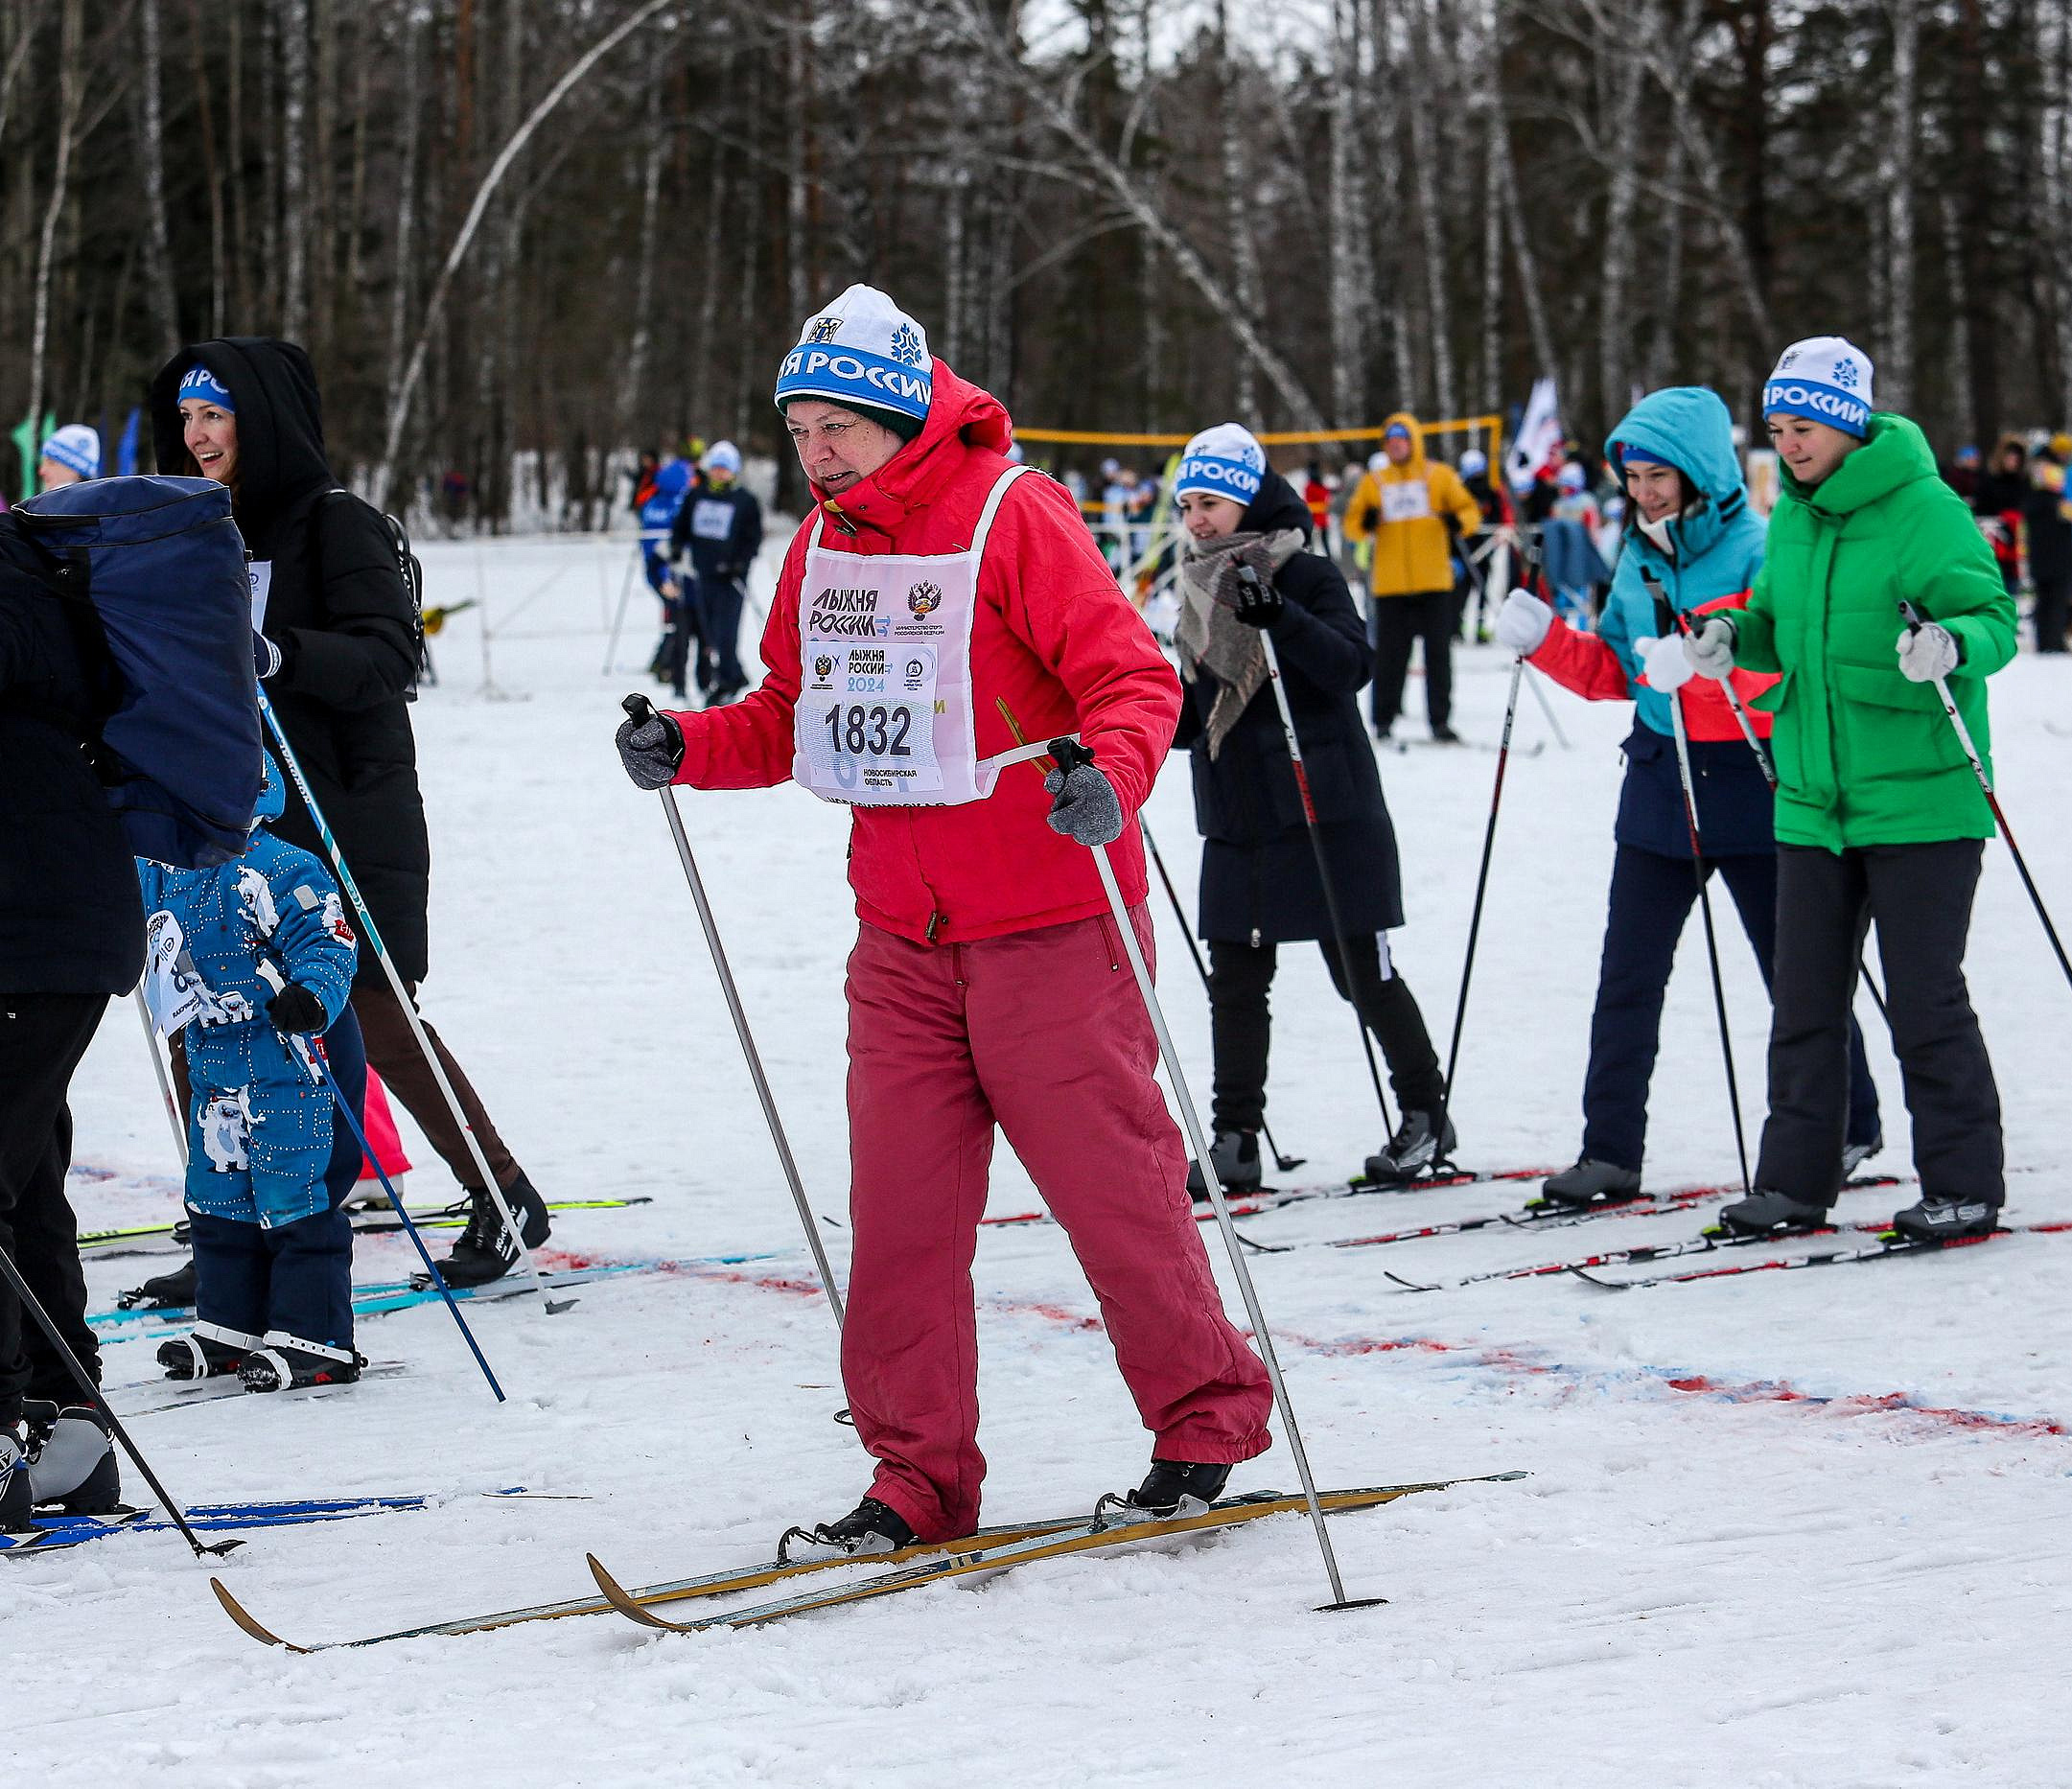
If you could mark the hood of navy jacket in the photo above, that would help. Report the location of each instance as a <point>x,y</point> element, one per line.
<point>281,458</point>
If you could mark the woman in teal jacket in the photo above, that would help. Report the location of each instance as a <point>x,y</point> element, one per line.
<point>1688,529</point>
<point>1878,814</point>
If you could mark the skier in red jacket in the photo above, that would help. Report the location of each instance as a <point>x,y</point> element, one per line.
<point>940,604</point>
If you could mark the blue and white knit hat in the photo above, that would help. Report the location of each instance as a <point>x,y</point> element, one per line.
<point>77,448</point>
<point>1826,378</point>
<point>1223,461</point>
<point>722,456</point>
<point>200,382</point>
<point>861,351</point>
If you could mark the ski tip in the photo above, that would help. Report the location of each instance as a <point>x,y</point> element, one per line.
<point>1603,1285</point>
<point>622,1599</point>
<point>1408,1286</point>
<point>238,1613</point>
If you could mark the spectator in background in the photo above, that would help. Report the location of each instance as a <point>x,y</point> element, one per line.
<point>1962,475</point>
<point>1998,502</point>
<point>720,526</point>
<point>2047,516</point>
<point>70,456</point>
<point>1471,594</point>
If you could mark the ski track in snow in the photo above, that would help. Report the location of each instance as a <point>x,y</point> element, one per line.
<point>1783,1529</point>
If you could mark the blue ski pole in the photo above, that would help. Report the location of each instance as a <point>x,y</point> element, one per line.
<point>300,1050</point>
<point>294,766</point>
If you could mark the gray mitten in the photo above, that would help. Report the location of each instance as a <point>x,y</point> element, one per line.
<point>1087,807</point>
<point>650,745</point>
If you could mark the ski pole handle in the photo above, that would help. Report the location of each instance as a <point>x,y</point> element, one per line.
<point>1067,751</point>
<point>640,708</point>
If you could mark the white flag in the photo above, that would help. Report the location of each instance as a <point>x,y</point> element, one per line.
<point>1539,434</point>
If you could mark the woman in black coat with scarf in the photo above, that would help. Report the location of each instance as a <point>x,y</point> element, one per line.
<point>328,594</point>
<point>1260,887</point>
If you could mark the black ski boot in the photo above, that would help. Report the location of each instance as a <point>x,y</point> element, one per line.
<point>205,1352</point>
<point>1947,1219</point>
<point>1416,1149</point>
<point>1765,1212</point>
<point>1170,1485</point>
<point>17,1502</point>
<point>285,1363</point>
<point>1591,1182</point>
<point>1855,1154</point>
<point>485,1251</point>
<point>870,1527</point>
<point>75,1466</point>
<point>169,1291</point>
<point>1235,1156</point>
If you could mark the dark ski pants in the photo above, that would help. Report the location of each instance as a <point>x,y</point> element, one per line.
<point>1921,896</point>
<point>1399,623</point>
<point>1652,897</point>
<point>295,1277</point>
<point>42,1037</point>
<point>2053,610</point>
<point>1241,978</point>
<point>719,631</point>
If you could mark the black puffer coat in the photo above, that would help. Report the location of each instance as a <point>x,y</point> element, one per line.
<point>71,919</point>
<point>340,611</point>
<point>1259,881</point>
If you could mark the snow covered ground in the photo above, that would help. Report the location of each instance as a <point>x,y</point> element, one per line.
<point>1780,1529</point>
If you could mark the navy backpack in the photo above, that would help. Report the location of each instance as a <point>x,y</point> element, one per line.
<point>161,564</point>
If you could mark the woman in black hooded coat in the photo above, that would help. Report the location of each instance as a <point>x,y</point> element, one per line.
<point>330,595</point>
<point>1260,887</point>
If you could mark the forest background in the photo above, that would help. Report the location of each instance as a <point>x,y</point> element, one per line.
<point>524,237</point>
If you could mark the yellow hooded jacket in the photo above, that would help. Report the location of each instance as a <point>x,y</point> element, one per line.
<point>1404,508</point>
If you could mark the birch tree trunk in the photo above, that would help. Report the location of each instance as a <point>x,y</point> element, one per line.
<point>211,170</point>
<point>1615,324</point>
<point>800,286</point>
<point>1896,364</point>
<point>1237,212</point>
<point>643,283</point>
<point>149,113</point>
<point>1430,220</point>
<point>1352,248</point>
<point>412,108</point>
<point>71,96</point>
<point>294,159</point>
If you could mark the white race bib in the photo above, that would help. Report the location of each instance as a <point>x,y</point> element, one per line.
<point>711,520</point>
<point>172,988</point>
<point>261,574</point>
<point>1409,501</point>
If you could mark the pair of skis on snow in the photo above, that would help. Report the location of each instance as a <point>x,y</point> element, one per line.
<point>1111,1529</point>
<point>150,1238</point>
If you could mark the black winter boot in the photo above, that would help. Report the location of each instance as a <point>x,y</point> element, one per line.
<point>288,1363</point>
<point>1170,1484</point>
<point>169,1291</point>
<point>1234,1154</point>
<point>1947,1219</point>
<point>1416,1149</point>
<point>870,1527</point>
<point>485,1251</point>
<point>206,1351</point>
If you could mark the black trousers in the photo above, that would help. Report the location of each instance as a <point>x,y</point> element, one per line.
<point>42,1037</point>
<point>1240,977</point>
<point>718,625</point>
<point>1652,897</point>
<point>2053,610</point>
<point>1921,896</point>
<point>1398,623</point>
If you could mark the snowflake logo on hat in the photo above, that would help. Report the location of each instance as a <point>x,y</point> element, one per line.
<point>906,344</point>
<point>824,329</point>
<point>1845,374</point>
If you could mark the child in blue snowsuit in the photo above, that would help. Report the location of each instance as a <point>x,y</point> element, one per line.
<point>658,503</point>
<point>268,1173</point>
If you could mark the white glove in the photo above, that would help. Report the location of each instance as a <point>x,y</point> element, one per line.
<point>1665,663</point>
<point>1928,652</point>
<point>1709,647</point>
<point>1522,623</point>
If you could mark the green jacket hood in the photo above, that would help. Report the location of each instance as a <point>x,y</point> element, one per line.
<point>1895,453</point>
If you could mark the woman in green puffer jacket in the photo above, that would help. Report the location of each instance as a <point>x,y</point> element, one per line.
<point>1878,813</point>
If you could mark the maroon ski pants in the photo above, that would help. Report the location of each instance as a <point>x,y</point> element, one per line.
<point>1044,1033</point>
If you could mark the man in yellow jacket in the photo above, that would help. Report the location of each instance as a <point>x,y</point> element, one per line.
<point>1410,508</point>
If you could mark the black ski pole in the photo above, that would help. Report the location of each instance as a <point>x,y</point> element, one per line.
<point>1665,623</point>
<point>1285,1164</point>
<point>1481,875</point>
<point>1248,577</point>
<point>1985,783</point>
<point>33,1305</point>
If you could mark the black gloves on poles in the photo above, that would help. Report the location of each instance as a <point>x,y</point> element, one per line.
<point>1259,604</point>
<point>650,745</point>
<point>295,1009</point>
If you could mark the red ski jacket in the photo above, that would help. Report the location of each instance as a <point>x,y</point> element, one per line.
<point>1053,638</point>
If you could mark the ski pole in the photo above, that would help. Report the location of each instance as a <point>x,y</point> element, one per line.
<point>1248,577</point>
<point>1769,774</point>
<point>1546,708</point>
<point>33,1305</point>
<point>1665,623</point>
<point>294,766</point>
<point>1070,753</point>
<point>300,1050</point>
<point>1285,1164</point>
<point>1481,875</point>
<point>643,711</point>
<point>1985,783</point>
<point>165,1081</point>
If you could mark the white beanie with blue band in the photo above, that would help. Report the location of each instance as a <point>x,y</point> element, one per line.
<point>77,448</point>
<point>865,353</point>
<point>1826,378</point>
<point>1223,461</point>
